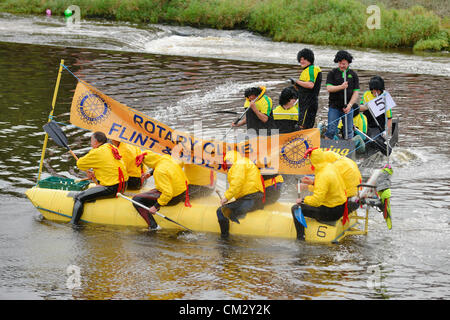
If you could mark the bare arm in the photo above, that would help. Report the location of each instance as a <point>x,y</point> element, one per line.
<point>305,84</point>
<point>331,88</point>
<point>261,116</point>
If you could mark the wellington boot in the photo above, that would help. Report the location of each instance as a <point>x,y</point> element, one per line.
<point>77,212</point>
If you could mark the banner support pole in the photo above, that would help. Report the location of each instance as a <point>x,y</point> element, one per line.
<point>55,94</point>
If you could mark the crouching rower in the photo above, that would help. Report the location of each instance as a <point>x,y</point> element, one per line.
<point>136,178</point>
<point>108,168</point>
<point>170,182</point>
<point>245,186</point>
<point>349,172</point>
<point>329,200</point>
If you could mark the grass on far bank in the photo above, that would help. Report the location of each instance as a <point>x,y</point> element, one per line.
<point>323,22</point>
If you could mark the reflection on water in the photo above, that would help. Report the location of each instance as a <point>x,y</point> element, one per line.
<point>410,261</point>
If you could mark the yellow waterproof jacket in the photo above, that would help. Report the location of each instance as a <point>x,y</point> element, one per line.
<point>243,177</point>
<point>329,187</point>
<point>198,175</point>
<point>105,166</point>
<point>129,153</point>
<point>348,170</point>
<point>170,179</point>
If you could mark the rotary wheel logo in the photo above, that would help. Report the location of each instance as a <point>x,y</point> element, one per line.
<point>92,108</point>
<point>293,151</point>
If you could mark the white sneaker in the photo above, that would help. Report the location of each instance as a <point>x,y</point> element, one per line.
<point>154,229</point>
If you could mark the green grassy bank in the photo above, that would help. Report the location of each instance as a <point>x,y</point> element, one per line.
<point>324,22</point>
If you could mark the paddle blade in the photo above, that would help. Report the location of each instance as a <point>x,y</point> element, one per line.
<point>299,216</point>
<point>56,133</point>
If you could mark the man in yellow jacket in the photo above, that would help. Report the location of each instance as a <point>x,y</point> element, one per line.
<point>349,172</point>
<point>108,168</point>
<point>328,202</point>
<point>245,186</point>
<point>129,152</point>
<point>171,186</point>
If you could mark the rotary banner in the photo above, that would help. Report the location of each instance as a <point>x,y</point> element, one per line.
<point>95,111</point>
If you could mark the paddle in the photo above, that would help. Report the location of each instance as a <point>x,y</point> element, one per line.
<point>56,133</point>
<point>218,193</point>
<point>345,104</point>
<point>226,111</point>
<point>263,91</point>
<point>298,211</point>
<point>58,136</point>
<point>235,122</point>
<point>159,214</point>
<point>383,149</point>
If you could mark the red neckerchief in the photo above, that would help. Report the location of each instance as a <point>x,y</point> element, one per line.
<point>140,158</point>
<point>186,201</point>
<point>345,216</point>
<point>264,188</point>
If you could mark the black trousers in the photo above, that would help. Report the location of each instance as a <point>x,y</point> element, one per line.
<point>307,113</point>
<point>134,183</point>
<point>149,199</point>
<point>238,209</point>
<point>321,213</point>
<point>98,192</point>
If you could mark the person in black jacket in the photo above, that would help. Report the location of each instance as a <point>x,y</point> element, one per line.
<point>336,86</point>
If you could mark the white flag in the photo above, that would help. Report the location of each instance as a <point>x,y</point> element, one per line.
<point>381,103</point>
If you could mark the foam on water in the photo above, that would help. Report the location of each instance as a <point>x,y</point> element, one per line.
<point>187,41</point>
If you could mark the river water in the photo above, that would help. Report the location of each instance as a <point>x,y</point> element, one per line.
<point>181,76</point>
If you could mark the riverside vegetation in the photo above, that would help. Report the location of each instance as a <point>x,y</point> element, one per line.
<point>322,22</point>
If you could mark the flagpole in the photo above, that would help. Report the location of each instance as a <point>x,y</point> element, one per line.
<point>55,93</point>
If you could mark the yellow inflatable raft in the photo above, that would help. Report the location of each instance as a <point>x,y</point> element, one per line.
<point>274,221</point>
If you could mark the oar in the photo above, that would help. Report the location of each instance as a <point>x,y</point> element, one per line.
<point>244,113</point>
<point>226,111</point>
<point>56,133</point>
<point>235,122</point>
<point>374,141</point>
<point>218,193</point>
<point>345,104</point>
<point>298,211</point>
<point>159,214</point>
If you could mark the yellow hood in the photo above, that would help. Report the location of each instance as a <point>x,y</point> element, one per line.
<point>152,159</point>
<point>233,157</point>
<point>318,159</point>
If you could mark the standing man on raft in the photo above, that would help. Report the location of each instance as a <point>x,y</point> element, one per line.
<point>308,87</point>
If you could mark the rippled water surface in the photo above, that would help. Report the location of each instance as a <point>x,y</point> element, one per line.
<point>411,261</point>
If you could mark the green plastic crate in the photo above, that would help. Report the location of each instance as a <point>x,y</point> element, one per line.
<point>63,184</point>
